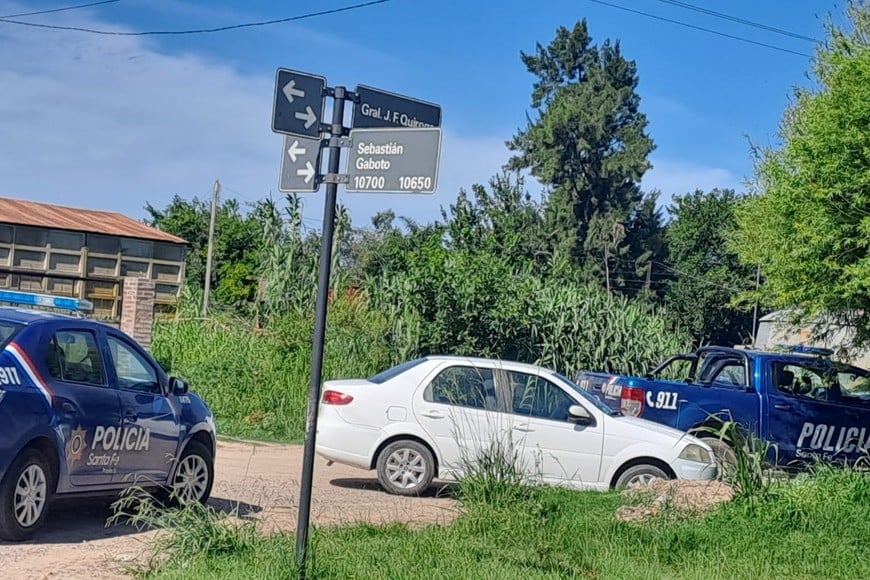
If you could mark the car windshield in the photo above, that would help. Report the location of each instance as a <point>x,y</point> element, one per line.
<point>7,331</point>
<point>388,374</point>
<point>604,408</point>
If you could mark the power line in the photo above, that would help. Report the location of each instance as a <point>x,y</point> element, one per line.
<point>738,20</point>
<point>698,278</point>
<point>76,7</point>
<point>195,31</point>
<point>701,28</point>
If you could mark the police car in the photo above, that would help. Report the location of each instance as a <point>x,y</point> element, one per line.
<point>85,410</point>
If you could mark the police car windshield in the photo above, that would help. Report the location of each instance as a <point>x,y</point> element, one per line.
<point>7,331</point>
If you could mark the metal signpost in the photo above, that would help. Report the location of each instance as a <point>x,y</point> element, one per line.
<point>395,147</point>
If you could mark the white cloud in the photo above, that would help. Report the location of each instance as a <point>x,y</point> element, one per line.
<point>111,123</point>
<point>673,177</point>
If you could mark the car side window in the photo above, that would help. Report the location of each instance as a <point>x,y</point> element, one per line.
<point>464,386</point>
<point>534,396</point>
<point>133,371</point>
<point>73,357</point>
<point>732,374</point>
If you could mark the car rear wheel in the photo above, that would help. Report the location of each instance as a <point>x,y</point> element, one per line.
<point>405,467</point>
<point>25,494</point>
<point>640,475</point>
<point>194,475</point>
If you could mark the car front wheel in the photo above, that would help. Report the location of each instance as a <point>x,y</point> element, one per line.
<point>194,475</point>
<point>405,468</point>
<point>639,475</point>
<point>25,494</point>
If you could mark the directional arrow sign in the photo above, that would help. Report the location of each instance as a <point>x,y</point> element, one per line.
<point>298,104</point>
<point>393,160</point>
<point>377,108</point>
<point>300,164</point>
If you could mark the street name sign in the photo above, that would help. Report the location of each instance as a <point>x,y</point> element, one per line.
<point>377,108</point>
<point>393,160</point>
<point>300,164</point>
<point>299,102</point>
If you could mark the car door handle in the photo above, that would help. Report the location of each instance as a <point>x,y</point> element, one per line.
<point>433,414</point>
<point>782,407</point>
<point>524,427</point>
<point>68,408</point>
<point>131,417</point>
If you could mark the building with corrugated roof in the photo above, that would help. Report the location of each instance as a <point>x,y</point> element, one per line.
<point>86,253</point>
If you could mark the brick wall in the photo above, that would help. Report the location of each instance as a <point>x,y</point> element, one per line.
<point>137,310</point>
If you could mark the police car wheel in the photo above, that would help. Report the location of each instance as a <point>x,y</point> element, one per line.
<point>194,475</point>
<point>25,494</point>
<point>723,453</point>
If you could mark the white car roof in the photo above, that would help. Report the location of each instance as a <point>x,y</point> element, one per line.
<point>492,362</point>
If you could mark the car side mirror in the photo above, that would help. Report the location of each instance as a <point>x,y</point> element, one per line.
<point>578,414</point>
<point>178,386</point>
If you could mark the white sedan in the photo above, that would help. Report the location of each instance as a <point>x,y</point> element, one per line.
<point>435,416</point>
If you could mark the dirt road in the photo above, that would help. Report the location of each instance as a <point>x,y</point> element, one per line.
<point>262,479</point>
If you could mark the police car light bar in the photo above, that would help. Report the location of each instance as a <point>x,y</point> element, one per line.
<point>803,349</point>
<point>45,300</point>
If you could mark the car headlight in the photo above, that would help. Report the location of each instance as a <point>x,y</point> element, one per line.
<point>692,452</point>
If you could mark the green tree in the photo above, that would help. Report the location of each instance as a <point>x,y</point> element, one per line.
<point>808,224</point>
<point>588,145</point>
<point>238,244</point>
<point>706,275</point>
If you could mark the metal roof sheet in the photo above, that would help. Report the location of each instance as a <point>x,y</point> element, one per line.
<point>46,215</point>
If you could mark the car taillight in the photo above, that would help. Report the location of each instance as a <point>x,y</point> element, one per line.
<point>331,397</point>
<point>631,401</point>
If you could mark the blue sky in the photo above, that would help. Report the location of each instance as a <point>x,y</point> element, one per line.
<point>112,122</point>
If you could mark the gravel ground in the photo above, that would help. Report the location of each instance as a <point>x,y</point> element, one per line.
<point>261,479</point>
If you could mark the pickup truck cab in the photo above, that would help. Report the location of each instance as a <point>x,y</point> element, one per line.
<point>808,405</point>
<point>85,410</point>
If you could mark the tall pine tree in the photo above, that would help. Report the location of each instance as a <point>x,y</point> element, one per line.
<point>587,144</point>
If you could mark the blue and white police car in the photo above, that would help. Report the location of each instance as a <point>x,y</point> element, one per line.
<point>85,410</point>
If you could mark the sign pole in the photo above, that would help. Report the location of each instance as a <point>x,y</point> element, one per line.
<point>336,130</point>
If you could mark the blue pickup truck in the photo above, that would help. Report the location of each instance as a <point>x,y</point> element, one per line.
<point>85,410</point>
<point>808,405</point>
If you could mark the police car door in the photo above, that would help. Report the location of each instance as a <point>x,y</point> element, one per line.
<point>814,412</point>
<point>88,408</point>
<point>150,431</point>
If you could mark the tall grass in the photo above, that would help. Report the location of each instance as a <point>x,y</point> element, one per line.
<point>257,382</point>
<point>812,527</point>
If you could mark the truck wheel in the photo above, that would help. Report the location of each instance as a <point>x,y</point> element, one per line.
<point>405,468</point>
<point>637,475</point>
<point>726,459</point>
<point>25,495</point>
<point>194,475</point>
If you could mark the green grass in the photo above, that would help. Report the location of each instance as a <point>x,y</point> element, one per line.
<point>257,383</point>
<point>813,527</point>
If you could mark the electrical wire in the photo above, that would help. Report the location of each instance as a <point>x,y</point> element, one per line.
<point>698,278</point>
<point>195,31</point>
<point>738,20</point>
<point>701,28</point>
<point>53,10</point>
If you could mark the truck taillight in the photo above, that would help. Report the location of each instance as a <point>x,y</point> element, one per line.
<point>631,401</point>
<point>331,397</point>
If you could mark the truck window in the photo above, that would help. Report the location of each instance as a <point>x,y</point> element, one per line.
<point>823,381</point>
<point>732,374</point>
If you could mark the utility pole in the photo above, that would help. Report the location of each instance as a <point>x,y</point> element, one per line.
<point>755,309</point>
<point>207,290</point>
